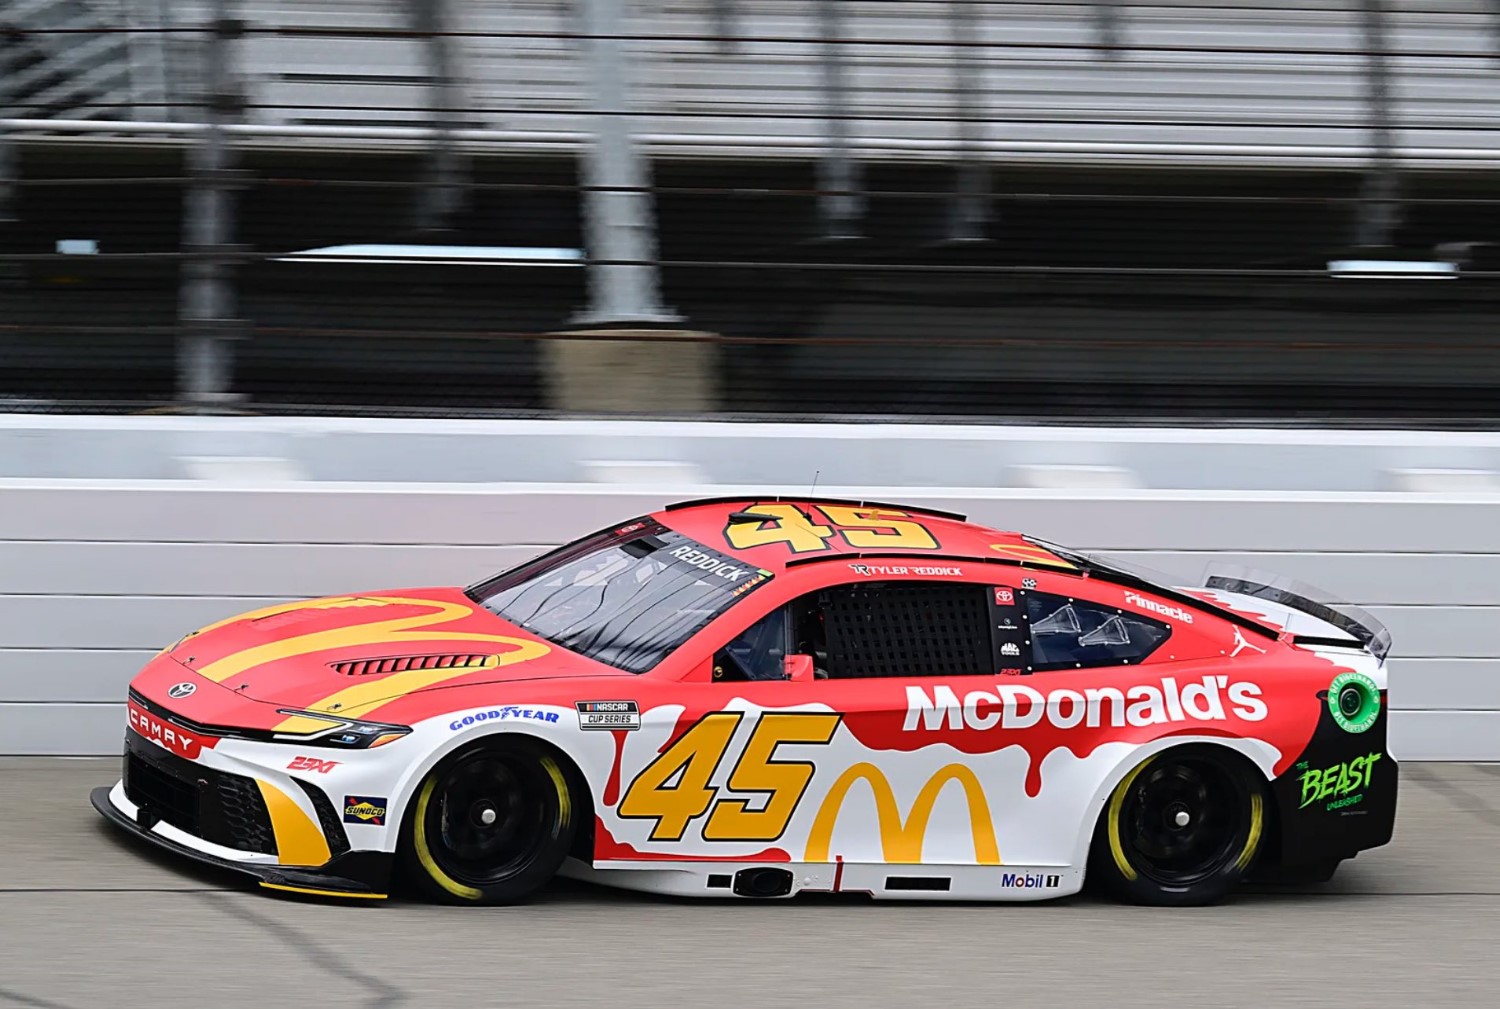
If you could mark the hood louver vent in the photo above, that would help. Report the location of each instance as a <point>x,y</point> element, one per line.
<point>402,663</point>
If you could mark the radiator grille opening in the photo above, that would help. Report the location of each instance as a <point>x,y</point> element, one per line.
<point>328,819</point>
<point>221,808</point>
<point>168,798</point>
<point>402,663</point>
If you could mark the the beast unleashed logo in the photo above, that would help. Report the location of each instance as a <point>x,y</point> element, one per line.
<point>1339,786</point>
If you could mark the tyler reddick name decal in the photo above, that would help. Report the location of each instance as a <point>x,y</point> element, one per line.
<point>1014,706</point>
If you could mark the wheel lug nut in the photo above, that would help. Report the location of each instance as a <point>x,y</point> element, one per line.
<point>1182,818</point>
<point>487,816</point>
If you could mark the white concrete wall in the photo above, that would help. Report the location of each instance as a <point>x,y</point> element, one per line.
<point>95,575</point>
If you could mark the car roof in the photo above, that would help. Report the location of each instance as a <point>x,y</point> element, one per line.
<point>708,521</point>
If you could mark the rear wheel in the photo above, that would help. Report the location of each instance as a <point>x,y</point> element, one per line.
<point>489,825</point>
<point>1181,829</point>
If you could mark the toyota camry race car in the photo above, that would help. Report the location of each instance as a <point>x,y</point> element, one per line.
<point>768,697</point>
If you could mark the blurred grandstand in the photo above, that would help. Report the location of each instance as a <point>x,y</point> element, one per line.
<point>983,208</point>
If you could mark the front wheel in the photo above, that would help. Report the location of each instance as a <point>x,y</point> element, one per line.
<point>1181,829</point>
<point>489,825</point>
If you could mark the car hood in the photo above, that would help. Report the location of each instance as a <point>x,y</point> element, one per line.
<point>351,654</point>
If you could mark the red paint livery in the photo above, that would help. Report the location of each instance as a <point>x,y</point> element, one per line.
<point>785,694</point>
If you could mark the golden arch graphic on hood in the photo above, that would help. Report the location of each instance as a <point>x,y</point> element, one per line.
<point>357,700</point>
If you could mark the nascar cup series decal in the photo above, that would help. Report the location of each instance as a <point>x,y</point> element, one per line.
<point>608,715</point>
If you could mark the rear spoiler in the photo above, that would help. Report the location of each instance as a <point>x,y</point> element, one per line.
<point>1369,632</point>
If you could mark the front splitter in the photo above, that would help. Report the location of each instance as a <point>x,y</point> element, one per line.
<point>354,874</point>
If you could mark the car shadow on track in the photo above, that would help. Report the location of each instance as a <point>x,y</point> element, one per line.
<point>562,891</point>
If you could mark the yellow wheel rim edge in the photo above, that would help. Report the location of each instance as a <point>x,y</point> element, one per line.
<point>1116,803</point>
<point>1257,824</point>
<point>424,855</point>
<point>564,799</point>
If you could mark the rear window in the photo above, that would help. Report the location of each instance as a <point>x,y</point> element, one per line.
<point>627,598</point>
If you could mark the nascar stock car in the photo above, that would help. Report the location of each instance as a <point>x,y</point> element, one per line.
<point>761,698</point>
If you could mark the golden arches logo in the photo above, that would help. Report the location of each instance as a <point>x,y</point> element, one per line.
<point>901,840</point>
<point>358,700</point>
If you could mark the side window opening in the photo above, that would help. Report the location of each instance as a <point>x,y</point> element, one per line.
<point>907,629</point>
<point>1069,633</point>
<point>872,629</point>
<point>866,630</point>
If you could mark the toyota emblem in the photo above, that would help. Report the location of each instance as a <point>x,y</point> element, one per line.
<point>182,689</point>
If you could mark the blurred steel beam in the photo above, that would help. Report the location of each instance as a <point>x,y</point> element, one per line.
<point>11,271</point>
<point>618,211</point>
<point>442,197</point>
<point>1379,211</point>
<point>969,212</point>
<point>724,24</point>
<point>206,322</point>
<point>840,205</point>
<point>1107,21</point>
<point>7,149</point>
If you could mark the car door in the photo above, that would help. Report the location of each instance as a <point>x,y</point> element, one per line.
<point>827,768</point>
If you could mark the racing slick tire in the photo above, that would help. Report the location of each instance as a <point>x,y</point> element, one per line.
<point>490,824</point>
<point>1180,830</point>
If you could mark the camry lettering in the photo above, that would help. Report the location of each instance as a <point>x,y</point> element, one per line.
<point>164,734</point>
<point>1161,609</point>
<point>1013,706</point>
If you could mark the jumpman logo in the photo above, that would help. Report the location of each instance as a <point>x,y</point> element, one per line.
<point>1240,644</point>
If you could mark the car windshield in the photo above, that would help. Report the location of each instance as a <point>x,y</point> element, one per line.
<point>627,598</point>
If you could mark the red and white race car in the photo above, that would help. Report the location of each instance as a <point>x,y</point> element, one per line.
<point>769,697</point>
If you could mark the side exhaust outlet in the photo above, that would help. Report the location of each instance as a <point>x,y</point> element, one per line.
<point>762,882</point>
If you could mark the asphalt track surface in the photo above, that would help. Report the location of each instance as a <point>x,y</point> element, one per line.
<point>88,919</point>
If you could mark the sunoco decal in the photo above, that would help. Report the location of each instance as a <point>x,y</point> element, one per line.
<point>368,809</point>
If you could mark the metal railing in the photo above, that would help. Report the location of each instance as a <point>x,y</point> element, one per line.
<point>813,175</point>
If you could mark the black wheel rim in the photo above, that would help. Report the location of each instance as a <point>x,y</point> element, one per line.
<point>1185,820</point>
<point>491,814</point>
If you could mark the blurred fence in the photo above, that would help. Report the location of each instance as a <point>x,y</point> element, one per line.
<point>793,207</point>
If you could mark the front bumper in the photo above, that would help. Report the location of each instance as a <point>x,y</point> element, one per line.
<point>218,819</point>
